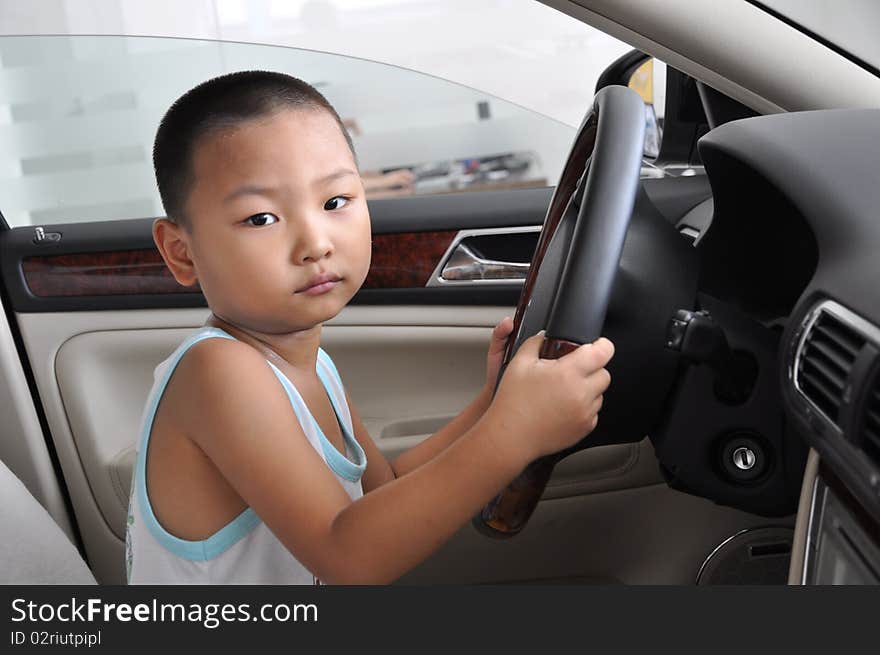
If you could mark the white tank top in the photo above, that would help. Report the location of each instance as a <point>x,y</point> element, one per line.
<point>244,551</point>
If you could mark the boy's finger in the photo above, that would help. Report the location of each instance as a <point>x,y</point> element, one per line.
<point>603,342</point>
<point>499,337</point>
<point>503,329</point>
<point>531,347</point>
<point>599,381</point>
<point>593,356</point>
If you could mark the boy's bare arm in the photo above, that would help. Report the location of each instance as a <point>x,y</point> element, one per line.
<point>240,416</point>
<point>242,419</point>
<point>379,470</point>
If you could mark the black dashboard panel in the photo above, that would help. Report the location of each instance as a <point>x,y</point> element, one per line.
<point>759,252</point>
<point>805,187</point>
<point>827,165</point>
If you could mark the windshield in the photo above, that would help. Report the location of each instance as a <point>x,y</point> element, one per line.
<point>851,25</point>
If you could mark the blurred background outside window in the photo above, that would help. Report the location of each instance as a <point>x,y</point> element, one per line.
<point>440,96</point>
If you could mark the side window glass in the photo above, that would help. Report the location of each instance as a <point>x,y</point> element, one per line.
<point>439,137</point>
<point>80,115</point>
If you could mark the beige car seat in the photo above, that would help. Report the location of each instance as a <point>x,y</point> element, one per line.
<point>33,549</point>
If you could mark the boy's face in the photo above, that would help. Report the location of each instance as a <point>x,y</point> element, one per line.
<point>279,228</point>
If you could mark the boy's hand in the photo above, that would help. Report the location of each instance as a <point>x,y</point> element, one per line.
<point>497,342</point>
<point>546,405</point>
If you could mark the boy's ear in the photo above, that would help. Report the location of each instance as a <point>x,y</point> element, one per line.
<point>173,244</point>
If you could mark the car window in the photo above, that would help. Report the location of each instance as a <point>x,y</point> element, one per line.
<point>81,113</point>
<point>78,113</point>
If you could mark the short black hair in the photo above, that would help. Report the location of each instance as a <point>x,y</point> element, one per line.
<point>221,103</point>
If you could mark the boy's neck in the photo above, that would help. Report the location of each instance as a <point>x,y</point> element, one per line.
<point>297,349</point>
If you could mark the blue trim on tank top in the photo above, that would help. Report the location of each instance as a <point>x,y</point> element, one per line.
<point>341,465</point>
<point>247,520</point>
<point>229,534</point>
<point>355,469</point>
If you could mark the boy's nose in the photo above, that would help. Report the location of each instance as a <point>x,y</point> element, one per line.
<point>311,243</point>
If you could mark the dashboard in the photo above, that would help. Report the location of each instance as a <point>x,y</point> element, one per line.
<point>795,242</point>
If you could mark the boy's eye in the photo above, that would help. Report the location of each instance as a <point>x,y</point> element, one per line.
<point>264,218</point>
<point>337,202</point>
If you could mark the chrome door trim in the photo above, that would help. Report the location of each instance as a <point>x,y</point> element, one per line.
<point>438,280</point>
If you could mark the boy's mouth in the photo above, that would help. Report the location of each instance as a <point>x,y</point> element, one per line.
<point>319,284</point>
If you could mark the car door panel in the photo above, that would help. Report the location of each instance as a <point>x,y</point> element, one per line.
<point>22,445</point>
<point>411,357</point>
<point>390,371</point>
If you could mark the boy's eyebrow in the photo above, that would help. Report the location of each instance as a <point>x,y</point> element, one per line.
<point>249,190</point>
<point>342,172</point>
<point>254,190</point>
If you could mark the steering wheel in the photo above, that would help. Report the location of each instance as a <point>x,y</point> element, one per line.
<point>569,285</point>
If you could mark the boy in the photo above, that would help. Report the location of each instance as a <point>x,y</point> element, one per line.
<point>266,211</point>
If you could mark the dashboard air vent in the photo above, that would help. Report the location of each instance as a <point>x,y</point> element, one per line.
<point>870,437</point>
<point>829,351</point>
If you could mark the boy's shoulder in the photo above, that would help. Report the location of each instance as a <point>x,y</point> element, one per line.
<point>214,371</point>
<point>214,349</point>
<point>220,392</point>
<point>212,361</point>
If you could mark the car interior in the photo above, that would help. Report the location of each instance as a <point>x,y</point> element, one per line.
<point>740,438</point>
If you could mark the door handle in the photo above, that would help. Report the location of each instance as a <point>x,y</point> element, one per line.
<point>468,260</point>
<point>464,265</point>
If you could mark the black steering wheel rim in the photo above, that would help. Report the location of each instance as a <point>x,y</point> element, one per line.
<point>570,282</point>
<point>569,286</point>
